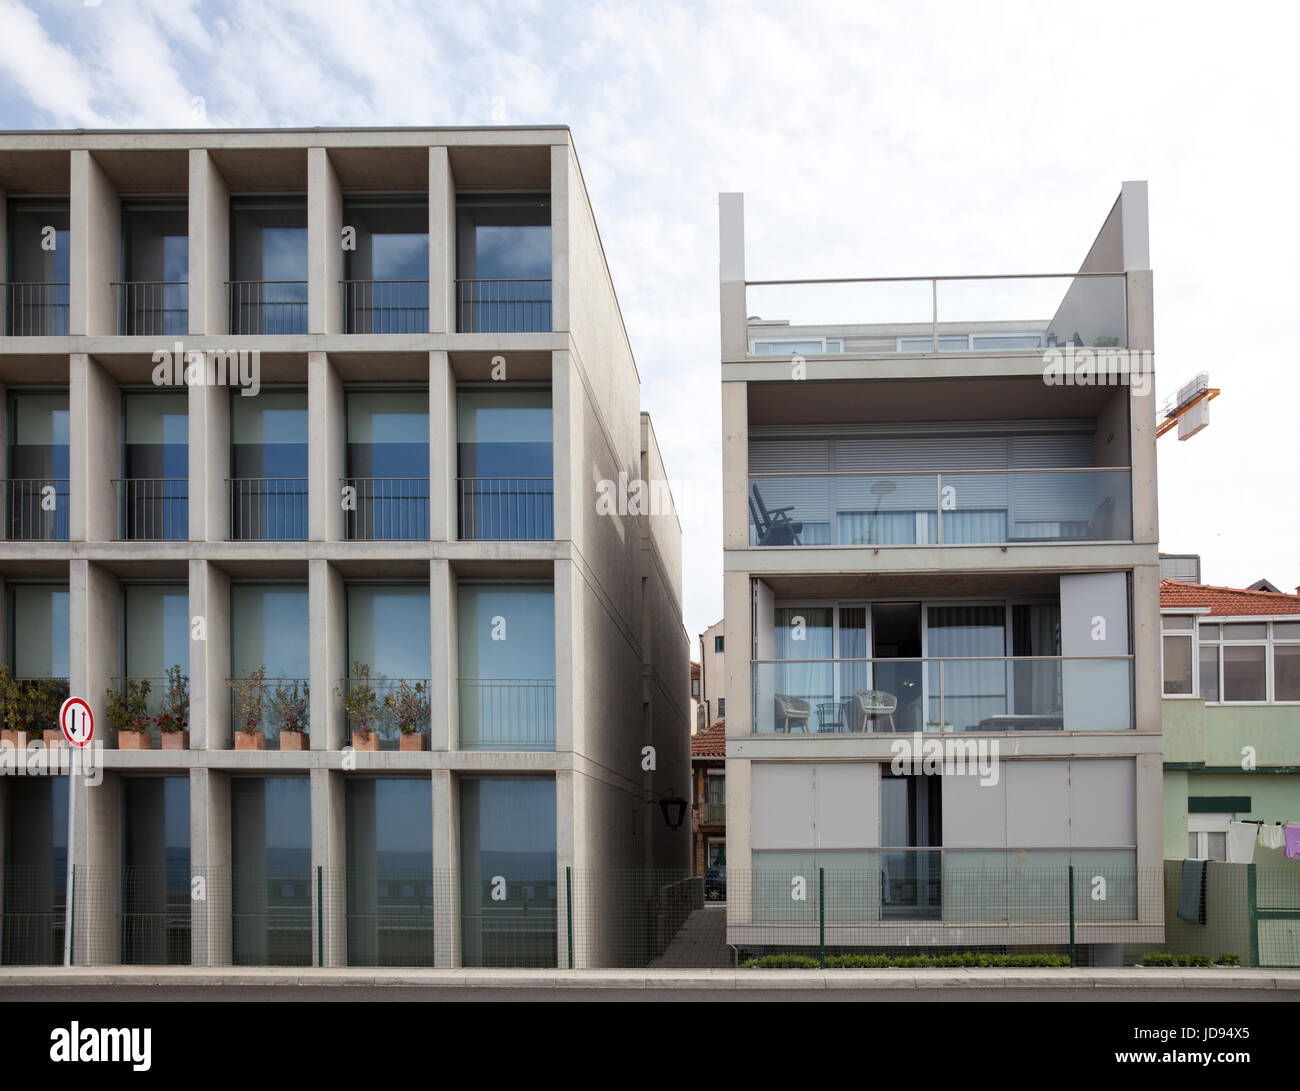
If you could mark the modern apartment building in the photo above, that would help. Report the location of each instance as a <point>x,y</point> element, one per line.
<point>940,535</point>
<point>1231,670</point>
<point>317,421</point>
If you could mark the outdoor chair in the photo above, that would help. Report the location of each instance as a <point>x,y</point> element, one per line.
<point>875,702</point>
<point>792,710</point>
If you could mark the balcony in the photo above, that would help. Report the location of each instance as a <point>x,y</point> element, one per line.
<point>956,507</point>
<point>385,306</point>
<point>270,705</point>
<point>715,814</point>
<point>503,306</point>
<point>268,509</point>
<point>979,315</point>
<point>267,307</point>
<point>36,509</point>
<point>395,709</point>
<point>387,509</point>
<point>152,308</point>
<point>507,713</point>
<point>505,509</point>
<point>828,697</point>
<point>36,309</point>
<point>152,509</point>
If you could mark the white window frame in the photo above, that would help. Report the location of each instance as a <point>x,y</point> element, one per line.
<point>1191,634</point>
<point>825,342</point>
<point>1268,642</point>
<point>1203,824</point>
<point>971,340</point>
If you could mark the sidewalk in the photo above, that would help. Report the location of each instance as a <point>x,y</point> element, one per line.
<point>1109,978</point>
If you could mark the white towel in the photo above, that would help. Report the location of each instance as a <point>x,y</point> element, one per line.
<point>1271,836</point>
<point>1241,842</point>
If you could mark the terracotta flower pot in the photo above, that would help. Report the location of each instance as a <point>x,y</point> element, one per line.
<point>369,741</point>
<point>412,741</point>
<point>134,740</point>
<point>175,740</point>
<point>250,740</point>
<point>16,739</point>
<point>53,738</point>
<point>295,740</point>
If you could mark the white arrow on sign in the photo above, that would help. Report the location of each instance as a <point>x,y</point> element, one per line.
<point>77,721</point>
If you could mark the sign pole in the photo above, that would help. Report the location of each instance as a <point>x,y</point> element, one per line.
<point>78,724</point>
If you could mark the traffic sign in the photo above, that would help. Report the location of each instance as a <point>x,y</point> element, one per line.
<point>77,721</point>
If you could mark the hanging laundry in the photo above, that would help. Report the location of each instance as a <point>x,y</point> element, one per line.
<point>1241,842</point>
<point>1292,835</point>
<point>1271,837</point>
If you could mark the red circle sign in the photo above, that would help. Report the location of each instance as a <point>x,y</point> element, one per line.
<point>77,721</point>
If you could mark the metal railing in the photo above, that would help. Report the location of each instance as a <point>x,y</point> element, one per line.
<point>268,509</point>
<point>36,309</point>
<point>155,702</point>
<point>36,509</point>
<point>152,508</point>
<point>383,717</point>
<point>387,508</point>
<point>715,814</point>
<point>32,703</point>
<point>955,507</point>
<point>385,306</point>
<point>509,509</point>
<point>268,706</point>
<point>507,713</point>
<point>990,313</point>
<point>503,306</point>
<point>152,308</point>
<point>952,694</point>
<point>268,307</point>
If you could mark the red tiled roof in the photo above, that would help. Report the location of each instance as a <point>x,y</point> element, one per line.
<point>711,741</point>
<point>695,669</point>
<point>1227,601</point>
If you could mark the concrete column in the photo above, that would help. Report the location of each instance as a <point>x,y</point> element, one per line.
<point>324,244</point>
<point>327,431</point>
<point>327,609</point>
<point>210,863</point>
<point>1142,411</point>
<point>1146,649</point>
<point>570,692</point>
<point>443,494</point>
<point>444,702</point>
<point>95,230</point>
<point>209,245</point>
<point>446,869</point>
<point>734,686</point>
<point>735,465</point>
<point>731,271</point>
<point>210,727</point>
<point>329,851</point>
<point>94,416</point>
<point>442,243</point>
<point>568,398</point>
<point>209,458</point>
<point>566,827</point>
<point>94,637</point>
<point>562,193</point>
<point>4,249</point>
<point>97,935</point>
<point>1150,837</point>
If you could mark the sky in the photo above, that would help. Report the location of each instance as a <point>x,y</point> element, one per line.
<point>869,139</point>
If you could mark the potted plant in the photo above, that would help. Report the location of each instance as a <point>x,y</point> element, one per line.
<point>361,703</point>
<point>14,713</point>
<point>289,706</point>
<point>409,706</point>
<point>249,696</point>
<point>128,712</point>
<point>173,720</point>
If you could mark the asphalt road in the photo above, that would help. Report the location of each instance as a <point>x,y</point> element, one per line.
<point>406,994</point>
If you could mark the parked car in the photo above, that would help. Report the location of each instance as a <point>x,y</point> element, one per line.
<point>715,884</point>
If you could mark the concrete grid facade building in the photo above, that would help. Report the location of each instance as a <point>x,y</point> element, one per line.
<point>400,528</point>
<point>934,535</point>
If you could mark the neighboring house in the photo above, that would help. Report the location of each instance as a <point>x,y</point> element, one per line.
<point>697,706</point>
<point>408,508</point>
<point>925,532</point>
<point>709,796</point>
<point>1185,567</point>
<point>713,694</point>
<point>1231,671</point>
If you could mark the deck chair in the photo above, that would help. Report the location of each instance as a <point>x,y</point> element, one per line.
<point>774,527</point>
<point>874,702</point>
<point>792,710</point>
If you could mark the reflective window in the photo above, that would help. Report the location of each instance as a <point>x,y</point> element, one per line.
<point>156,871</point>
<point>270,852</point>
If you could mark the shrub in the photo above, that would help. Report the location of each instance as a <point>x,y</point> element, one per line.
<point>1228,960</point>
<point>30,705</point>
<point>175,713</point>
<point>409,705</point>
<point>1166,958</point>
<point>289,704</point>
<point>361,702</point>
<point>127,708</point>
<point>249,696</point>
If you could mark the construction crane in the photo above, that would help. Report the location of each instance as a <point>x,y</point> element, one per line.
<point>1189,409</point>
